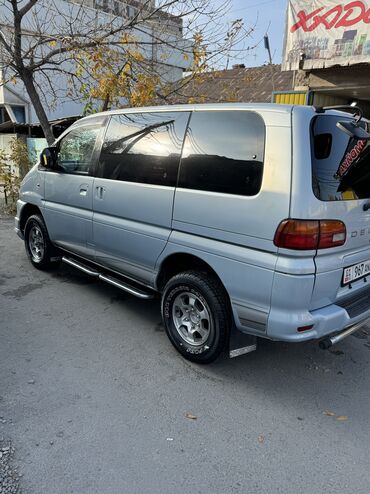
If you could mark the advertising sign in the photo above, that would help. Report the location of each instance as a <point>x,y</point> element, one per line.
<point>323,33</point>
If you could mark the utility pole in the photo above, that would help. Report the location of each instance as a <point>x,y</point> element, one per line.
<point>267,46</point>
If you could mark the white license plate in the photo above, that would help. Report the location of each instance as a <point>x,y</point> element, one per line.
<point>355,272</point>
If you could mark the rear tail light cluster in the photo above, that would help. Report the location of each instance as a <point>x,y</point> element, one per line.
<point>310,234</point>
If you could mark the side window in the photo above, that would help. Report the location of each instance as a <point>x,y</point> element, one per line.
<point>76,149</point>
<point>224,152</point>
<point>143,147</point>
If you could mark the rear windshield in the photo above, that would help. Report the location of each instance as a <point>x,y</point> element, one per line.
<point>340,163</point>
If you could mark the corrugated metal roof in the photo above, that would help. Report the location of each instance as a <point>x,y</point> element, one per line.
<point>249,85</point>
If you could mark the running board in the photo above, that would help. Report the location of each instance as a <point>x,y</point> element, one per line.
<point>80,266</point>
<point>108,279</point>
<point>125,287</point>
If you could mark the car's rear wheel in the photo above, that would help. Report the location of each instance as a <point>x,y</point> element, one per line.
<point>196,315</point>
<point>40,250</point>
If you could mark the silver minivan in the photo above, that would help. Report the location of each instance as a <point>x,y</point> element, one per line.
<point>248,220</point>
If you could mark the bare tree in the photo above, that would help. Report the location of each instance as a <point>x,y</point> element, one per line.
<point>46,44</point>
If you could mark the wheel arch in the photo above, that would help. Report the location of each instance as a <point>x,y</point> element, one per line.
<point>197,269</point>
<point>27,211</point>
<point>176,263</point>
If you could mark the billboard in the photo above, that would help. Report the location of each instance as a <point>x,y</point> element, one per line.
<point>323,33</point>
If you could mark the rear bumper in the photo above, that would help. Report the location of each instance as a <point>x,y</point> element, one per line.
<point>291,319</point>
<point>327,321</point>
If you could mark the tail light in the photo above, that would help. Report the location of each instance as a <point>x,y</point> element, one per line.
<point>310,234</point>
<point>332,234</point>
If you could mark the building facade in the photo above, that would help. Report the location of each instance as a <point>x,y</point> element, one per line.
<point>62,101</point>
<point>327,45</point>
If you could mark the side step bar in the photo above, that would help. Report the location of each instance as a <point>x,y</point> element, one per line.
<point>108,279</point>
<point>80,266</point>
<point>332,340</point>
<point>125,287</point>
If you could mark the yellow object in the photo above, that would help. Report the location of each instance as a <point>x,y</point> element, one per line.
<point>348,194</point>
<point>291,98</point>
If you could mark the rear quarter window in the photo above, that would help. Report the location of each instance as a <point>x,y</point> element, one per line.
<point>224,152</point>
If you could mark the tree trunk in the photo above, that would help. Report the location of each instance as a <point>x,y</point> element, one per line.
<point>105,105</point>
<point>27,79</point>
<point>25,74</point>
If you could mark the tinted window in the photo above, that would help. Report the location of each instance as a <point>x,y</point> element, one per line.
<point>340,163</point>
<point>76,149</point>
<point>223,152</point>
<point>143,147</point>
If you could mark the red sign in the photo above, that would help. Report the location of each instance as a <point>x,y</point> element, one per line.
<point>339,16</point>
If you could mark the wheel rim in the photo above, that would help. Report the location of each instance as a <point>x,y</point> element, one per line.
<point>192,318</point>
<point>36,243</point>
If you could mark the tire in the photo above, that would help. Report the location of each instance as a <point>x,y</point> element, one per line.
<point>196,316</point>
<point>40,250</point>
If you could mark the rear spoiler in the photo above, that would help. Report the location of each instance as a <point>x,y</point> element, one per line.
<point>352,128</point>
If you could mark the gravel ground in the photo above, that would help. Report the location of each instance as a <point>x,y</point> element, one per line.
<point>9,478</point>
<point>95,399</point>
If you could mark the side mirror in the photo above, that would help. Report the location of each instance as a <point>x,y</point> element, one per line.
<point>48,158</point>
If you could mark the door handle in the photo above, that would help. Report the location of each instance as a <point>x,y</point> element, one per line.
<point>366,206</point>
<point>83,190</point>
<point>100,192</point>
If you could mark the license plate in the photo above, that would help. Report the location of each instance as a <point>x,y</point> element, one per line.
<point>355,272</point>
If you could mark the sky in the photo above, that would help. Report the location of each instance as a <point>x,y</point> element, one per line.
<point>268,16</point>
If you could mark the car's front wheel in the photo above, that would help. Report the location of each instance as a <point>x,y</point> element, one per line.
<point>196,315</point>
<point>37,243</point>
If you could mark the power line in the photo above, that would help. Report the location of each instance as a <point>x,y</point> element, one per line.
<point>252,6</point>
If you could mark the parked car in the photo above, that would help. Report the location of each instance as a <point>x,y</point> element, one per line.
<point>244,218</point>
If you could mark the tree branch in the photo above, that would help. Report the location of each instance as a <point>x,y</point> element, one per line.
<point>23,11</point>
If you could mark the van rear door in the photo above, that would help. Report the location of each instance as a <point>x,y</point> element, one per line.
<point>341,184</point>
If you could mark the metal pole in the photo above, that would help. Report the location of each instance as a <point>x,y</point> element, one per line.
<point>267,46</point>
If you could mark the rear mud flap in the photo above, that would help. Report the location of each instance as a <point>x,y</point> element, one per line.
<point>241,343</point>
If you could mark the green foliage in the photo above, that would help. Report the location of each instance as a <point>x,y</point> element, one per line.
<point>20,157</point>
<point>112,73</point>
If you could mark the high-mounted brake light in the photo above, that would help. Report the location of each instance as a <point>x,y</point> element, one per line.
<point>310,234</point>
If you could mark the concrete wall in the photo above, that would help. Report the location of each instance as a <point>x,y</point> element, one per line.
<point>336,77</point>
<point>338,86</point>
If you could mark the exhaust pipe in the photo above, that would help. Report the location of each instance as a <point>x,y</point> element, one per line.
<point>325,344</point>
<point>332,340</point>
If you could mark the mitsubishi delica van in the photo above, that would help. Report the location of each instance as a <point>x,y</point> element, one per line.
<point>247,220</point>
